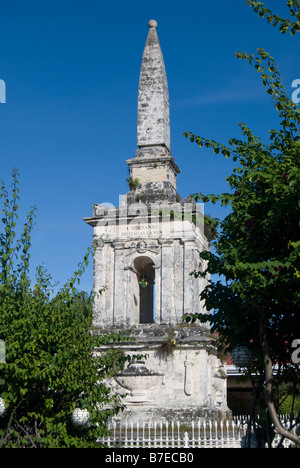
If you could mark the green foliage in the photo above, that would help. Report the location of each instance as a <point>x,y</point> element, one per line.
<point>258,249</point>
<point>51,366</point>
<point>133,183</point>
<point>10,248</point>
<point>284,24</point>
<point>289,405</point>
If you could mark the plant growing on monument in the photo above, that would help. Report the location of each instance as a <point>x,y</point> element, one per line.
<point>167,347</point>
<point>258,249</point>
<point>133,183</point>
<point>50,367</point>
<point>143,283</point>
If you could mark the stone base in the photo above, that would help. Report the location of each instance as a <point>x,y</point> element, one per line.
<point>160,415</point>
<point>179,378</point>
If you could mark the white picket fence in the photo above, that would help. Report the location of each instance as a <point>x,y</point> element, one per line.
<point>204,433</point>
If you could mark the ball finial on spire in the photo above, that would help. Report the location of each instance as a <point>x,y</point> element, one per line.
<point>152,24</point>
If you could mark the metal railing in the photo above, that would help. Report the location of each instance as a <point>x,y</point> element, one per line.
<point>204,433</point>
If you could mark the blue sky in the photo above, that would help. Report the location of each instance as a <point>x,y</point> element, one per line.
<point>71,70</point>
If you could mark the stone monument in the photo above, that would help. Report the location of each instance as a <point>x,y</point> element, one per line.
<point>147,249</point>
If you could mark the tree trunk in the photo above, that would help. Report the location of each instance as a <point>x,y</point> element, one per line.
<point>269,386</point>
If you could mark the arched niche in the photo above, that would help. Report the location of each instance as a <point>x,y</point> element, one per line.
<point>144,268</point>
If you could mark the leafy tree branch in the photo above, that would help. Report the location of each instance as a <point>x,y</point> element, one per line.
<point>258,249</point>
<point>284,24</point>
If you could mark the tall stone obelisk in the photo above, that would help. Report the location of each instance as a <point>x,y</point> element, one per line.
<point>147,249</point>
<point>153,166</point>
<point>153,127</point>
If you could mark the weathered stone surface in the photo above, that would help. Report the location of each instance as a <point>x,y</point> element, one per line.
<point>153,95</point>
<point>153,169</point>
<point>188,382</point>
<point>146,251</point>
<point>171,246</point>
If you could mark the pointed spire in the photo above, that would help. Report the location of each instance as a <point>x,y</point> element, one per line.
<point>153,95</point>
<point>153,165</point>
